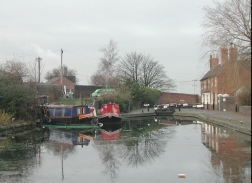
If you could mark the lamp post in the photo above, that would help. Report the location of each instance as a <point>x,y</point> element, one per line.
<point>129,107</point>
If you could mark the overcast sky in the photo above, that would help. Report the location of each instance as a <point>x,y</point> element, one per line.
<point>168,30</point>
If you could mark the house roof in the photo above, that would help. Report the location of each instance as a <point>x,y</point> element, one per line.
<point>214,71</point>
<point>217,69</point>
<point>246,64</point>
<point>53,79</point>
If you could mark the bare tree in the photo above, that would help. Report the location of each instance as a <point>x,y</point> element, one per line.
<point>228,22</point>
<point>16,68</point>
<point>107,73</point>
<point>131,65</point>
<point>145,71</point>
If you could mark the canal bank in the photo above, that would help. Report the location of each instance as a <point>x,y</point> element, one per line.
<point>232,120</point>
<point>13,129</point>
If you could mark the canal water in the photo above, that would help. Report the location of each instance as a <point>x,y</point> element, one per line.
<point>141,150</point>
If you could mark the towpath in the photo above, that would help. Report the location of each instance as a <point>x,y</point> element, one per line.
<point>234,120</point>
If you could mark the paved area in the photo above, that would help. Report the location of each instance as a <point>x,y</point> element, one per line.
<point>239,121</point>
<point>227,115</point>
<point>224,115</point>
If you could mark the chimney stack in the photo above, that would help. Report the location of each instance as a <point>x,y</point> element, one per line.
<point>233,52</point>
<point>65,71</point>
<point>214,61</point>
<point>224,53</point>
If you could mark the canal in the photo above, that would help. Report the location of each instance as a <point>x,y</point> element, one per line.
<point>142,150</point>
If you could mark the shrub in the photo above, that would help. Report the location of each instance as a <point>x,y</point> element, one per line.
<point>243,97</point>
<point>5,117</point>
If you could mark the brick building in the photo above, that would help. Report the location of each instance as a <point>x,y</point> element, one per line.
<point>178,98</point>
<point>70,84</point>
<point>225,77</point>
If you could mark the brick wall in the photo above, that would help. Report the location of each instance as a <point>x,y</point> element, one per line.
<point>228,81</point>
<point>83,91</point>
<point>178,98</point>
<point>245,109</point>
<point>229,104</point>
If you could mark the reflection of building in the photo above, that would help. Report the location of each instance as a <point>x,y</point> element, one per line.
<point>227,154</point>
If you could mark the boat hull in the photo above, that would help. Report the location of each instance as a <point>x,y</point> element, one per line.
<point>110,113</point>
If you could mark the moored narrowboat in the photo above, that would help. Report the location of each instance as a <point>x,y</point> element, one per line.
<point>110,114</point>
<point>110,110</point>
<point>67,114</point>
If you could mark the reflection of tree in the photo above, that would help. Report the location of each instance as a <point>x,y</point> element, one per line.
<point>18,158</point>
<point>145,148</point>
<point>135,151</point>
<point>110,160</point>
<point>110,156</point>
<point>55,148</point>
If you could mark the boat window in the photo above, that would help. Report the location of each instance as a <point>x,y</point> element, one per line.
<point>52,111</point>
<point>58,112</point>
<point>78,110</point>
<point>67,112</point>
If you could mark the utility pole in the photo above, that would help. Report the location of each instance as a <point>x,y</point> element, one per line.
<point>181,86</point>
<point>61,74</point>
<point>194,85</point>
<point>38,59</point>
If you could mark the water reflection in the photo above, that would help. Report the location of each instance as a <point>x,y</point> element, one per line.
<point>138,142</point>
<point>19,155</point>
<point>134,143</point>
<point>61,142</point>
<point>230,153</point>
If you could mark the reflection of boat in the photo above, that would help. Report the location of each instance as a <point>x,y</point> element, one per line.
<point>67,114</point>
<point>69,138</point>
<point>110,113</point>
<point>110,135</point>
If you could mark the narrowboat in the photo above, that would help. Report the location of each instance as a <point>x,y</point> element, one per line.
<point>67,114</point>
<point>164,110</point>
<point>110,113</point>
